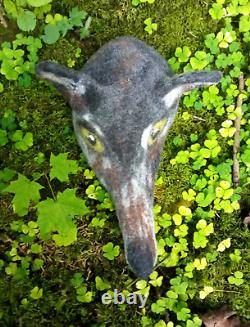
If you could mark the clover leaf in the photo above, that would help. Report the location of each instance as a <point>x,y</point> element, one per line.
<point>244,24</point>
<point>235,256</point>
<point>183,54</point>
<point>183,314</point>
<point>245,157</point>
<point>223,245</point>
<point>101,285</point>
<point>150,26</point>
<point>110,251</point>
<point>227,130</point>
<point>36,293</point>
<point>155,280</point>
<point>200,264</point>
<point>212,43</point>
<point>217,11</point>
<point>205,292</point>
<point>200,60</point>
<point>236,279</point>
<point>76,280</point>
<point>83,295</point>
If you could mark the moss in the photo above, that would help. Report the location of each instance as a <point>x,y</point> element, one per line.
<point>183,22</point>
<point>179,23</point>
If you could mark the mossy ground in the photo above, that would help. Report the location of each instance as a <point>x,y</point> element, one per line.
<point>182,22</point>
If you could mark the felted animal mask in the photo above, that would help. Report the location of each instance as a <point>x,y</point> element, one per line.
<point>124,101</point>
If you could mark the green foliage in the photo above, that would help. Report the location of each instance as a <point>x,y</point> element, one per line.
<point>19,57</point>
<point>205,292</point>
<point>26,21</point>
<point>216,11</point>
<point>36,293</point>
<point>61,224</point>
<point>196,216</point>
<point>200,60</point>
<point>51,34</point>
<point>150,26</point>
<point>110,251</point>
<point>223,245</point>
<point>13,56</point>
<point>38,3</point>
<point>101,285</point>
<point>59,25</point>
<point>25,191</point>
<point>183,54</point>
<point>61,167</point>
<point>82,295</point>
<point>236,279</point>
<point>22,142</point>
<point>137,2</point>
<point>203,230</point>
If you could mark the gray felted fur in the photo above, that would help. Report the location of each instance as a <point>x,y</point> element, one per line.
<point>124,101</point>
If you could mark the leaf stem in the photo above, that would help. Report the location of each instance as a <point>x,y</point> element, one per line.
<point>51,189</point>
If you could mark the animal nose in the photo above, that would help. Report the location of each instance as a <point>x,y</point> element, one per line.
<point>136,219</point>
<point>141,257</point>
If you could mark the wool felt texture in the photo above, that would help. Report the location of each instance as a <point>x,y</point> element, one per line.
<point>124,100</point>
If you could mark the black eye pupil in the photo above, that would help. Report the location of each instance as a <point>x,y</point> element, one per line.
<point>155,133</point>
<point>92,139</point>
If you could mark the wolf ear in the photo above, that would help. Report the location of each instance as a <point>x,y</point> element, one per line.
<point>68,81</point>
<point>188,81</point>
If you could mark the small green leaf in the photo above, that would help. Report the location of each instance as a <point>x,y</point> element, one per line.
<point>76,280</point>
<point>64,208</point>
<point>25,192</point>
<point>101,285</point>
<point>36,248</point>
<point>110,251</point>
<point>3,137</point>
<point>51,34</point>
<point>216,11</point>
<point>11,8</point>
<point>36,293</point>
<point>38,3</point>
<point>61,167</point>
<point>26,21</point>
<point>223,245</point>
<point>37,264</point>
<point>172,295</point>
<point>76,16</point>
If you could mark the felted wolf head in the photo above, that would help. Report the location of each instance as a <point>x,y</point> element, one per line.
<point>124,101</point>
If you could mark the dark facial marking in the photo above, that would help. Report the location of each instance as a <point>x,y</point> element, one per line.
<point>91,98</point>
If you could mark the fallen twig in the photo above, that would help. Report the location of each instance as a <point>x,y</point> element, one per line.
<point>236,146</point>
<point>2,20</point>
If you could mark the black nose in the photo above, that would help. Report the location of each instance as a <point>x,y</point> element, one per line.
<point>141,256</point>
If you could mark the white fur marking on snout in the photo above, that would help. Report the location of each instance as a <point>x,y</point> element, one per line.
<point>86,117</point>
<point>171,97</point>
<point>81,89</point>
<point>145,137</point>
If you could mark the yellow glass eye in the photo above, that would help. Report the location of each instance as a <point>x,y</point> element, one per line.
<point>92,140</point>
<point>156,130</point>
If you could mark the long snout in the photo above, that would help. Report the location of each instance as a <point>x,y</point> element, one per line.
<point>135,214</point>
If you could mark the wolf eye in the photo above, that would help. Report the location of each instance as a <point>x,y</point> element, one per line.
<point>92,140</point>
<point>156,130</point>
